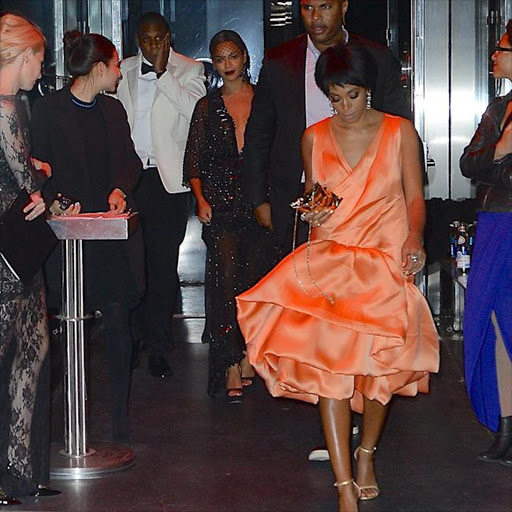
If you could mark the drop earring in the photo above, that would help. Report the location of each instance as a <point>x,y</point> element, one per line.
<point>333,110</point>
<point>368,100</point>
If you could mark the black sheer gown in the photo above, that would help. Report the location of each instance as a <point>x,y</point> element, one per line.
<point>237,247</point>
<point>24,342</point>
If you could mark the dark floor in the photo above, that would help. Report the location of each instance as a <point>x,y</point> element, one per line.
<point>203,455</point>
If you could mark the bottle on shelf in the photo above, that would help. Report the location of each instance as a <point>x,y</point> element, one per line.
<point>454,229</point>
<point>463,258</point>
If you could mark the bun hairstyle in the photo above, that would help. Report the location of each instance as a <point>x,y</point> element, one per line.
<point>83,51</point>
<point>16,35</point>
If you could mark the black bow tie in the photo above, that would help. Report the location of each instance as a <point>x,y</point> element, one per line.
<point>147,68</point>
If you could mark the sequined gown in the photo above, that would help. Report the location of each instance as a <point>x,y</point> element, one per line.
<point>24,370</point>
<point>377,337</point>
<point>236,245</point>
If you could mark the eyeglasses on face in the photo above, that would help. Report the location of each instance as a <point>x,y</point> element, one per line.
<point>498,48</point>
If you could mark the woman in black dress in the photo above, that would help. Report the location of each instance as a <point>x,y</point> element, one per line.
<point>235,242</point>
<point>86,138</point>
<point>24,369</point>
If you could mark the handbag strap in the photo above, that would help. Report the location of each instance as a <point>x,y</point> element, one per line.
<point>308,255</point>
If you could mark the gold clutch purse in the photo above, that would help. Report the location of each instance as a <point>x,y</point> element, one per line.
<point>318,198</point>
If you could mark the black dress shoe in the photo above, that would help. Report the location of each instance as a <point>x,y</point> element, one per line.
<point>159,367</point>
<point>43,491</point>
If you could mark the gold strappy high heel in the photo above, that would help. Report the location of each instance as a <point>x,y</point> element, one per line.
<point>348,482</point>
<point>373,487</point>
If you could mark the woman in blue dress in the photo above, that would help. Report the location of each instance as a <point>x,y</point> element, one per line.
<point>487,317</point>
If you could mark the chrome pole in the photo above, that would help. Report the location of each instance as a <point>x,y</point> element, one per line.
<point>75,379</point>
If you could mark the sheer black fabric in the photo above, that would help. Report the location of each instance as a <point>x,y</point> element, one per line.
<point>24,370</point>
<point>237,247</point>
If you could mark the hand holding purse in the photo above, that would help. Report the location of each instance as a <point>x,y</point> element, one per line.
<point>316,200</point>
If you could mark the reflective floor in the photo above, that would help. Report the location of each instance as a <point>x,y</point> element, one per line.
<point>198,454</point>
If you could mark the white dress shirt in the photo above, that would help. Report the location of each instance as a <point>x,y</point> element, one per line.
<point>141,133</point>
<point>318,106</point>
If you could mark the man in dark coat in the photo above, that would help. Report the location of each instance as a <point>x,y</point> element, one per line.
<point>287,101</point>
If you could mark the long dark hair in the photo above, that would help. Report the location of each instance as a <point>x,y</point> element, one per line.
<point>233,37</point>
<point>85,50</point>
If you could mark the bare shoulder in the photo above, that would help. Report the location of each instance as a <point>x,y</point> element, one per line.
<point>308,134</point>
<point>407,128</point>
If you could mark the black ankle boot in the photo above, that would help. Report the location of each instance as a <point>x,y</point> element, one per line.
<point>506,460</point>
<point>502,442</point>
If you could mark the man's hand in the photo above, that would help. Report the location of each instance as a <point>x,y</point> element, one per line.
<point>116,201</point>
<point>162,57</point>
<point>264,216</point>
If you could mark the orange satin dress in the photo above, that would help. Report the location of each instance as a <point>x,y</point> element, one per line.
<point>378,338</point>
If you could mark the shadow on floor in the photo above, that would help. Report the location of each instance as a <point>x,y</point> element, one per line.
<point>198,454</point>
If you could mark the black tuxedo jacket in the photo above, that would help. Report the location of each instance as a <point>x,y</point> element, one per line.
<point>272,167</point>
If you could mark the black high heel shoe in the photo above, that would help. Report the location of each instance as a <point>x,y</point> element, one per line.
<point>234,395</point>
<point>43,491</point>
<point>5,500</point>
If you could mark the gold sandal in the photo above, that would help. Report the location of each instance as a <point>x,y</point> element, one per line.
<point>373,487</point>
<point>348,482</point>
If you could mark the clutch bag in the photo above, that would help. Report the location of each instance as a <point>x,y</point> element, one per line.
<point>24,245</point>
<point>317,198</point>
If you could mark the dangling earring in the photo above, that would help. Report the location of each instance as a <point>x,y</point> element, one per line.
<point>333,110</point>
<point>368,100</point>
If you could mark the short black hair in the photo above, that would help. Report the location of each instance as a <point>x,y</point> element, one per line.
<point>345,64</point>
<point>154,18</point>
<point>509,32</point>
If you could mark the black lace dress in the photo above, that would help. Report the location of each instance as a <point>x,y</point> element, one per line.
<point>24,342</point>
<point>237,247</point>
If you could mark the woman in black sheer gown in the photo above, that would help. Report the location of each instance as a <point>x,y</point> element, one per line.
<point>24,342</point>
<point>235,243</point>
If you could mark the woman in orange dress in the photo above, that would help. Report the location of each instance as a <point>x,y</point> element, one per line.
<point>340,321</point>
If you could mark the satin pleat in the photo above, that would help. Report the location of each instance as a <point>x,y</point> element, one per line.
<point>378,338</point>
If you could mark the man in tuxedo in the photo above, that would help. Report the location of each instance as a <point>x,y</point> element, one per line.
<point>287,101</point>
<point>159,92</point>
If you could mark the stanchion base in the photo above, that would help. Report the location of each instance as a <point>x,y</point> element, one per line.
<point>106,459</point>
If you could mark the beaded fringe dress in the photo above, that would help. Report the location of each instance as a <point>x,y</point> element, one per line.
<point>237,247</point>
